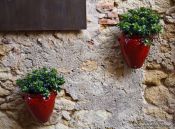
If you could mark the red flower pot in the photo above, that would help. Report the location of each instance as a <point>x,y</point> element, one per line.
<point>133,50</point>
<point>40,108</point>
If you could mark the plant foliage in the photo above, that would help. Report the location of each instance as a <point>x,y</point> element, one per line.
<point>143,22</point>
<point>41,81</point>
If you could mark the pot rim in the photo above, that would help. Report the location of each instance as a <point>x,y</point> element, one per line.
<point>26,95</point>
<point>138,37</point>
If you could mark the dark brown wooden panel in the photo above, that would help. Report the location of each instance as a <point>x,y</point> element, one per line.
<point>42,15</point>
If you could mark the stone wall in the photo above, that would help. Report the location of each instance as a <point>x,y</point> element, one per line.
<point>101,92</point>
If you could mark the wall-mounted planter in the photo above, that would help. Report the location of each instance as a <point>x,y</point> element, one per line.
<point>139,27</point>
<point>134,50</point>
<point>39,89</point>
<point>40,108</point>
<point>31,15</point>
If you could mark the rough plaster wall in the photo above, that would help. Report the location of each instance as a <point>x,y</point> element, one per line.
<point>101,92</point>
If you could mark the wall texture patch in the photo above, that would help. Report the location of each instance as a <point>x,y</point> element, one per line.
<point>100,92</point>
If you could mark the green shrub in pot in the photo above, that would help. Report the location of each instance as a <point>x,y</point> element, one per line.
<point>139,27</point>
<point>41,81</point>
<point>39,91</point>
<point>143,22</point>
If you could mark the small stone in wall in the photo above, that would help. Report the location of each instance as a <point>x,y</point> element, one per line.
<point>153,77</point>
<point>5,76</point>
<point>4,92</point>
<point>6,41</point>
<point>153,66</point>
<point>115,68</point>
<point>4,69</point>
<point>104,6</point>
<point>168,55</point>
<point>173,15</point>
<point>3,50</point>
<point>161,5</point>
<point>112,15</point>
<point>158,95</point>
<point>89,65</point>
<point>101,15</point>
<point>61,94</point>
<point>120,10</point>
<point>55,117</point>
<point>170,81</point>
<point>169,19</point>
<point>64,104</point>
<point>170,10</point>
<point>42,127</point>
<point>105,21</point>
<point>84,117</point>
<point>62,126</point>
<point>7,123</point>
<point>165,48</point>
<point>66,115</point>
<point>64,70</point>
<point>170,15</point>
<point>2,100</point>
<point>158,113</point>
<point>169,28</point>
<point>171,103</point>
<point>8,85</point>
<point>13,105</point>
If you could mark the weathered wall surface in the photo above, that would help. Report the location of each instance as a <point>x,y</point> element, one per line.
<point>101,92</point>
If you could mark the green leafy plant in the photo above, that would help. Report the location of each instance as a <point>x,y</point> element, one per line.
<point>143,22</point>
<point>41,81</point>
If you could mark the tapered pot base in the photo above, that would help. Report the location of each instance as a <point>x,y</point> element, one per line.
<point>40,108</point>
<point>134,50</point>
